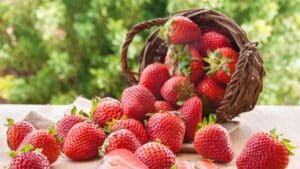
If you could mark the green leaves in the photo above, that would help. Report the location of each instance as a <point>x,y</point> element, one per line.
<point>205,122</point>
<point>287,143</point>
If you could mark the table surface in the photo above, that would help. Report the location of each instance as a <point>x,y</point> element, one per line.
<point>263,118</point>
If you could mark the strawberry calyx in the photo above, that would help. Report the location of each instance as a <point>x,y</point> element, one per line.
<point>95,102</point>
<point>166,30</point>
<point>174,166</point>
<point>208,121</point>
<point>9,122</point>
<point>52,131</point>
<point>26,148</point>
<point>286,142</point>
<point>217,62</point>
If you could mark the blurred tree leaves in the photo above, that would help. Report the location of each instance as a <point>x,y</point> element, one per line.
<point>53,51</point>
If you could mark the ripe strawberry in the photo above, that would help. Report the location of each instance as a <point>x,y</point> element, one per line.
<point>155,156</point>
<point>211,41</point>
<point>83,140</point>
<point>137,101</point>
<point>222,64</point>
<point>153,77</point>
<point>211,90</point>
<point>168,128</point>
<point>191,112</point>
<point>185,61</point>
<point>177,89</point>
<point>106,111</point>
<point>120,139</point>
<point>212,141</point>
<point>161,105</point>
<point>180,30</point>
<point>16,132</point>
<point>135,126</point>
<point>67,122</point>
<point>265,151</point>
<point>121,159</point>
<point>28,159</point>
<point>44,140</point>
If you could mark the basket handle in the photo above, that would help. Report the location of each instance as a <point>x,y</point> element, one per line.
<point>129,37</point>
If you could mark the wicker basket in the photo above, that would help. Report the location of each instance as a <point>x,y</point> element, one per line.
<point>246,83</point>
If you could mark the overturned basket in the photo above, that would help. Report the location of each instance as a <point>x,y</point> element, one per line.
<point>246,83</point>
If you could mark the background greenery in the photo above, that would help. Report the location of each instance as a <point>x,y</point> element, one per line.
<point>52,51</point>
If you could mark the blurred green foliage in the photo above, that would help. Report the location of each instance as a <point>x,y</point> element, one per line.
<point>52,51</point>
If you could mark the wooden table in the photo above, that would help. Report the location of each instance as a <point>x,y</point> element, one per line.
<point>262,118</point>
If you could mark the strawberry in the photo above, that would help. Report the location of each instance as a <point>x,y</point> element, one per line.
<point>161,105</point>
<point>106,111</point>
<point>121,159</point>
<point>134,126</point>
<point>28,159</point>
<point>137,101</point>
<point>191,112</point>
<point>265,151</point>
<point>212,141</point>
<point>211,90</point>
<point>222,64</point>
<point>83,140</point>
<point>180,30</point>
<point>211,41</point>
<point>155,156</point>
<point>45,140</point>
<point>177,89</point>
<point>67,122</point>
<point>153,77</point>
<point>16,132</point>
<point>120,139</point>
<point>168,128</point>
<point>185,61</point>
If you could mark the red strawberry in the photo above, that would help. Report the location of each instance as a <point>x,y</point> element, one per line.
<point>177,89</point>
<point>137,101</point>
<point>180,30</point>
<point>28,159</point>
<point>265,151</point>
<point>213,91</point>
<point>161,105</point>
<point>120,139</point>
<point>185,61</point>
<point>153,77</point>
<point>83,140</point>
<point>16,132</point>
<point>44,140</point>
<point>67,122</point>
<point>222,64</point>
<point>211,41</point>
<point>155,156</point>
<point>135,126</point>
<point>106,111</point>
<point>121,159</point>
<point>168,128</point>
<point>191,112</point>
<point>213,142</point>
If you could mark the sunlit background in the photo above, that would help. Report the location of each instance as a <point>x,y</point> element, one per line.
<point>53,51</point>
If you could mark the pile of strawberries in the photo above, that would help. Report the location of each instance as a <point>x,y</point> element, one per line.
<point>152,120</point>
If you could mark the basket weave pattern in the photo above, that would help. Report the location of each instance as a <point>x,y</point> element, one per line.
<point>246,83</point>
